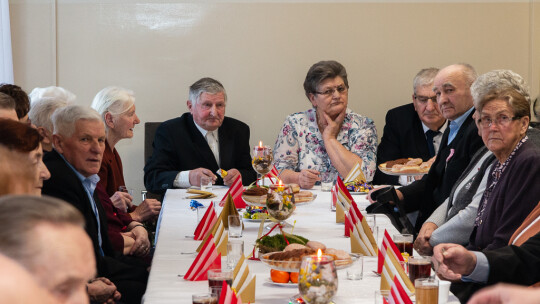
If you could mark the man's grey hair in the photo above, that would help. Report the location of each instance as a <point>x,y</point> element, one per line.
<point>42,110</point>
<point>6,102</point>
<point>496,81</point>
<point>64,119</point>
<point>205,85</point>
<point>115,100</point>
<point>51,93</point>
<point>19,216</point>
<point>424,78</point>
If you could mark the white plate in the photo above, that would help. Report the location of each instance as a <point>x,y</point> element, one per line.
<point>289,285</point>
<point>358,193</point>
<point>251,220</point>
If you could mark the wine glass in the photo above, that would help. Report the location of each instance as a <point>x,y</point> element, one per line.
<point>317,281</point>
<point>262,160</point>
<point>280,202</point>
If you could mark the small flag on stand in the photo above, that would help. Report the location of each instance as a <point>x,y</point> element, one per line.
<point>208,258</point>
<point>206,223</point>
<point>273,173</point>
<point>398,295</point>
<point>243,281</point>
<point>228,296</point>
<point>387,247</point>
<point>235,191</point>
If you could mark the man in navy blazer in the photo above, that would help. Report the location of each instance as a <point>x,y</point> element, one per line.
<point>459,143</point>
<point>200,142</point>
<point>410,128</point>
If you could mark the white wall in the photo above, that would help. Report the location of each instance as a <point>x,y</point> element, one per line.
<point>261,52</point>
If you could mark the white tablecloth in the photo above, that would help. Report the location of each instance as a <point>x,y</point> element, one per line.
<point>314,221</point>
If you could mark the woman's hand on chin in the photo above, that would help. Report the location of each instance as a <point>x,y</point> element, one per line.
<point>332,125</point>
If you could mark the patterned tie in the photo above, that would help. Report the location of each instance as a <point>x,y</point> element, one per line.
<point>212,142</point>
<point>430,134</point>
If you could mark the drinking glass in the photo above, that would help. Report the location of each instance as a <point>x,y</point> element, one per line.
<point>327,181</point>
<point>206,183</point>
<point>216,278</point>
<point>317,280</point>
<point>404,243</point>
<point>235,226</point>
<point>262,160</point>
<point>419,268</point>
<point>381,296</point>
<point>427,291</point>
<point>356,270</point>
<point>235,250</point>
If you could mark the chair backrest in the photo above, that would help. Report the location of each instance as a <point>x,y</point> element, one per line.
<point>149,133</point>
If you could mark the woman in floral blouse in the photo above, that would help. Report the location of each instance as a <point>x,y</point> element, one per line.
<point>328,138</point>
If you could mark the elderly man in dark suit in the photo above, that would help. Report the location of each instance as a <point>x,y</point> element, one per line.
<point>200,142</point>
<point>412,130</point>
<point>79,143</point>
<point>459,143</point>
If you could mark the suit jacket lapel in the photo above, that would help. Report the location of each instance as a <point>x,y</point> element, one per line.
<point>420,138</point>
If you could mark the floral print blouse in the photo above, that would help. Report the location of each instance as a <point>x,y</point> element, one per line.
<point>300,145</point>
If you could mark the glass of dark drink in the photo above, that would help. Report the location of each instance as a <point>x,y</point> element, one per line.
<point>404,243</point>
<point>204,298</point>
<point>419,268</point>
<point>216,277</point>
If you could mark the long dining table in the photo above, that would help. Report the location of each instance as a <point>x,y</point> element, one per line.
<point>175,247</point>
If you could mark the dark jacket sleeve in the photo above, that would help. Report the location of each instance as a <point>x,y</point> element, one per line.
<point>388,149</point>
<point>518,265</point>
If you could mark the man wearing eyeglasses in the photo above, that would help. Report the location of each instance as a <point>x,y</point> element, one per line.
<point>460,142</point>
<point>412,130</point>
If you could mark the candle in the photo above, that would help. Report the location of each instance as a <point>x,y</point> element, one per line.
<point>319,255</point>
<point>280,186</point>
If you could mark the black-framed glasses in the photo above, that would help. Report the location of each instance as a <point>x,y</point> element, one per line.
<point>500,120</point>
<point>424,99</point>
<point>330,91</point>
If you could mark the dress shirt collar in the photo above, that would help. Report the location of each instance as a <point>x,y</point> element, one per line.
<point>204,132</point>
<point>89,182</point>
<point>441,129</point>
<point>455,124</point>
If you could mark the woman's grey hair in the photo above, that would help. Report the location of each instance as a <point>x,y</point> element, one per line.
<point>205,85</point>
<point>51,93</point>
<point>64,119</point>
<point>42,110</point>
<point>321,71</point>
<point>19,216</point>
<point>115,100</point>
<point>424,78</point>
<point>493,83</point>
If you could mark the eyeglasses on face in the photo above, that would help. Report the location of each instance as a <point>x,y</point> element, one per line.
<point>500,120</point>
<point>424,99</point>
<point>330,91</point>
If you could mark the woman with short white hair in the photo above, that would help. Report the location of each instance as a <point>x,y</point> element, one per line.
<point>117,107</point>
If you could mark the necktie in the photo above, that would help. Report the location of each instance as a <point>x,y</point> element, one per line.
<point>430,134</point>
<point>212,142</point>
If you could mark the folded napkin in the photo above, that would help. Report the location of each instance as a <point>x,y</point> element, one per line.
<point>393,269</point>
<point>344,200</point>
<point>356,175</point>
<point>243,281</point>
<point>398,295</point>
<point>228,296</point>
<point>235,191</point>
<point>362,239</point>
<point>273,173</point>
<point>208,258</point>
<point>221,238</point>
<point>388,247</point>
<point>206,223</point>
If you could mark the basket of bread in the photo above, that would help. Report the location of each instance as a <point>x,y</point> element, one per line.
<point>256,195</point>
<point>406,166</point>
